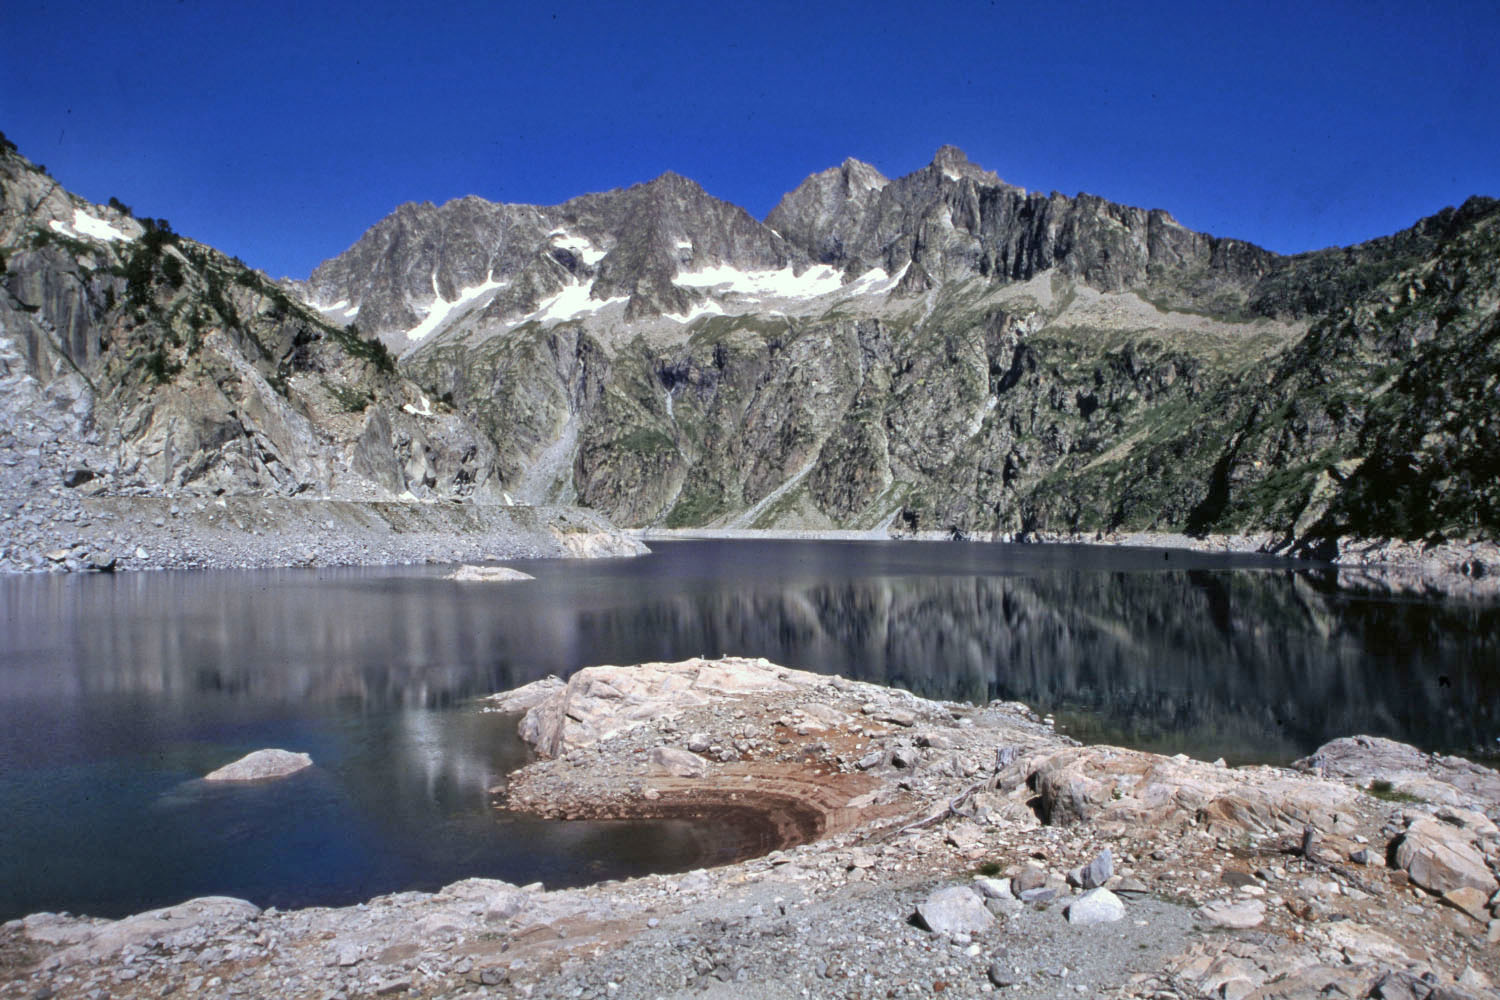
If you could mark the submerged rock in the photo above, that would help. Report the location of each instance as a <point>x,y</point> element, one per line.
<point>261,765</point>
<point>487,574</point>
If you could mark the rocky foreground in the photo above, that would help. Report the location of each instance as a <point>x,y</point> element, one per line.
<point>892,847</point>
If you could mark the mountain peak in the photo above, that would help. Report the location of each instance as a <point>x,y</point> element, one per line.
<point>954,164</point>
<point>950,156</point>
<point>672,179</point>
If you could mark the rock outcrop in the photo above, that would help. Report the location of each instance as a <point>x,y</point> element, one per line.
<point>1403,771</point>
<point>599,702</point>
<point>1441,853</point>
<point>1110,787</point>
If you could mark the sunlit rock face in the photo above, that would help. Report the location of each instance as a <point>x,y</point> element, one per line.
<point>945,351</point>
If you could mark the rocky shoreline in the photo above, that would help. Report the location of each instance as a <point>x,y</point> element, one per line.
<point>904,848</point>
<point>113,533</point>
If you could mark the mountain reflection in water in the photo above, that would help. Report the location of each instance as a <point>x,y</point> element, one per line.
<point>1262,662</point>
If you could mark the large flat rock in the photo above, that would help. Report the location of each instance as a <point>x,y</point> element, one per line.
<point>1128,789</point>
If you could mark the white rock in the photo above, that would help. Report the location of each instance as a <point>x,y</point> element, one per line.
<point>1097,906</point>
<point>993,888</point>
<point>487,574</point>
<point>1440,857</point>
<point>954,910</point>
<point>1238,914</point>
<point>261,765</point>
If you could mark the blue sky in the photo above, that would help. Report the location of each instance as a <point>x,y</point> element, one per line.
<point>279,132</point>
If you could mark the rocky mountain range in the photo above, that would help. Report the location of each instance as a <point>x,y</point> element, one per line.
<point>941,351</point>
<point>945,351</point>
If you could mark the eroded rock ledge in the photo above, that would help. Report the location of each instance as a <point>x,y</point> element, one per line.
<point>917,848</point>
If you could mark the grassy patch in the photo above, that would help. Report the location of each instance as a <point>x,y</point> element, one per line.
<point>694,508</point>
<point>1386,792</point>
<point>352,400</point>
<point>645,441</point>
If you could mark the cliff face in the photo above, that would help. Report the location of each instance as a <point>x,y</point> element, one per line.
<point>993,360</point>
<point>153,363</point>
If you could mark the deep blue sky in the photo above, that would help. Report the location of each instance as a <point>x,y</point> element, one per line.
<point>280,132</point>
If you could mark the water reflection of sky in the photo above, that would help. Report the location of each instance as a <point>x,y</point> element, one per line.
<point>118,690</point>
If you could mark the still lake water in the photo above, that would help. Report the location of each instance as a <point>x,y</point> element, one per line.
<point>118,692</point>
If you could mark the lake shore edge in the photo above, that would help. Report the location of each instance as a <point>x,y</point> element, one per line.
<point>1469,569</point>
<point>71,533</point>
<point>914,842</point>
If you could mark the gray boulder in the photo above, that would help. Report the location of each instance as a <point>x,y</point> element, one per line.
<point>1097,906</point>
<point>679,763</point>
<point>954,910</point>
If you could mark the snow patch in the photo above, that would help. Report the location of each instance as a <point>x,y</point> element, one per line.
<point>579,246</point>
<point>684,244</point>
<point>572,301</point>
<point>784,283</point>
<point>709,308</point>
<point>952,175</point>
<point>441,308</point>
<point>88,225</point>
<point>875,281</point>
<point>342,307</point>
<point>425,410</point>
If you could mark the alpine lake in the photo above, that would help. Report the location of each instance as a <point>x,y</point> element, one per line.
<point>119,692</point>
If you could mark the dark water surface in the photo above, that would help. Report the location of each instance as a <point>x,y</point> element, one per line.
<point>118,692</point>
